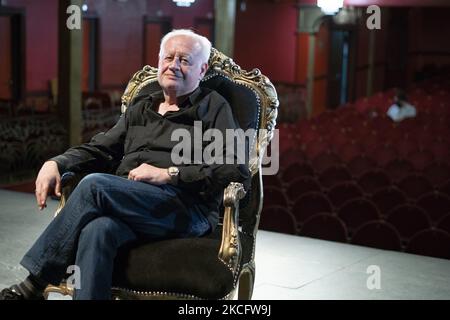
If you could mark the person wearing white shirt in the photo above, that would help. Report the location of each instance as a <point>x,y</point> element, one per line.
<point>401,109</point>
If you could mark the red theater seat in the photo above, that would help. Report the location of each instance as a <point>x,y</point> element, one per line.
<point>360,129</point>
<point>373,180</point>
<point>388,198</point>
<point>278,219</point>
<point>377,234</point>
<point>307,131</point>
<point>324,226</point>
<point>437,172</point>
<point>309,204</point>
<point>272,180</point>
<point>408,219</point>
<point>316,147</point>
<point>349,150</point>
<point>431,242</point>
<point>292,156</point>
<point>302,185</point>
<point>435,204</point>
<point>334,175</point>
<point>383,154</point>
<point>297,170</point>
<point>325,160</point>
<point>371,142</point>
<point>360,164</point>
<point>445,188</point>
<point>274,196</point>
<point>356,212</point>
<point>343,192</point>
<point>338,137</point>
<point>440,150</point>
<point>415,185</point>
<point>397,169</point>
<point>420,158</point>
<point>382,125</point>
<point>444,223</point>
<point>425,138</point>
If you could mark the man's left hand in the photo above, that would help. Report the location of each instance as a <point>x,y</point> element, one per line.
<point>148,173</point>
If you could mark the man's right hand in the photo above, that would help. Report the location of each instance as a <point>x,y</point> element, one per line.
<point>48,179</point>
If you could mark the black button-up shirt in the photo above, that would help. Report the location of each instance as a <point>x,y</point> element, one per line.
<point>142,135</point>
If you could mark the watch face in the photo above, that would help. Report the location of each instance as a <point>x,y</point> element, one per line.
<point>173,171</point>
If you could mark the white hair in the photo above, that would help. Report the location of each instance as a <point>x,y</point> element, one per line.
<point>205,44</point>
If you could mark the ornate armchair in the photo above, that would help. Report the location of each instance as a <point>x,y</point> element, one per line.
<point>221,264</point>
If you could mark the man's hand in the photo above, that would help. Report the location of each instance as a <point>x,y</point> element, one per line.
<point>48,179</point>
<point>148,173</point>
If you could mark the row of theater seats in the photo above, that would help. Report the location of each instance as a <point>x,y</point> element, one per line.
<point>347,211</point>
<point>353,175</point>
<point>336,130</point>
<point>330,168</point>
<point>366,228</point>
<point>428,95</point>
<point>371,183</point>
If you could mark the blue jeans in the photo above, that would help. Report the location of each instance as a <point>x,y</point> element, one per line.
<point>103,213</point>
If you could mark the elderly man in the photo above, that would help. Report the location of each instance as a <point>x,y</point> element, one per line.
<point>149,196</point>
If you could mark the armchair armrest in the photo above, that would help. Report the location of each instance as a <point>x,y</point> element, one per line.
<point>230,248</point>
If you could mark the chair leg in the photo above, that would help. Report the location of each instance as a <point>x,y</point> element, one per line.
<point>246,282</point>
<point>62,289</point>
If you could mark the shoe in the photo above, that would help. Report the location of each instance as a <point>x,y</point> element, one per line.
<point>11,293</point>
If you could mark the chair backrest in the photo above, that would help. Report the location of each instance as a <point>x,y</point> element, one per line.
<point>360,164</point>
<point>356,212</point>
<point>254,103</point>
<point>325,160</point>
<point>431,242</point>
<point>436,204</point>
<point>309,204</point>
<point>445,188</point>
<point>296,170</point>
<point>377,234</point>
<point>302,185</point>
<point>373,180</point>
<point>334,175</point>
<point>415,185</point>
<point>324,226</point>
<point>388,198</point>
<point>398,168</point>
<point>278,219</point>
<point>344,191</point>
<point>437,172</point>
<point>444,223</point>
<point>408,219</point>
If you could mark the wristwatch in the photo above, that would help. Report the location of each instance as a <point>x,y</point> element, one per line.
<point>173,172</point>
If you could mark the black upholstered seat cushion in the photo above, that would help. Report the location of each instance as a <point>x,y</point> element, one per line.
<point>186,266</point>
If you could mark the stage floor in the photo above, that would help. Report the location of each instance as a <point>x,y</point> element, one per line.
<point>287,267</point>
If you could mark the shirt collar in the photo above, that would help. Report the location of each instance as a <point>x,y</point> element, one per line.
<point>188,100</point>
